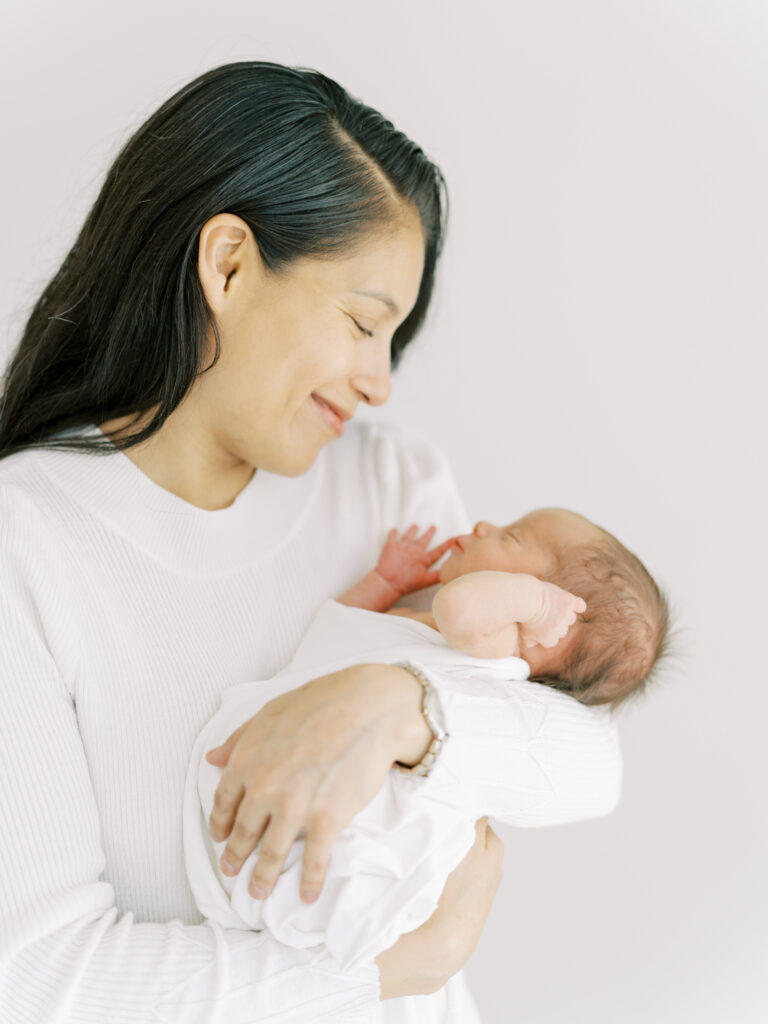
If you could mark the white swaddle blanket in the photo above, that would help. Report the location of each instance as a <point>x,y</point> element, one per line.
<point>389,866</point>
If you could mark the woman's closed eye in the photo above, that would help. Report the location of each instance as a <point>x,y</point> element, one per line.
<point>363,331</point>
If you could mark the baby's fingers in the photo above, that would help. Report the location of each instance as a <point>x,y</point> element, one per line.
<point>440,550</point>
<point>426,537</point>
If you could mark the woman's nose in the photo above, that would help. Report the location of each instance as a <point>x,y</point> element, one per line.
<point>374,382</point>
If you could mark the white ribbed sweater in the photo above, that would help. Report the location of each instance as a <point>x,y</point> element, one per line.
<point>124,612</point>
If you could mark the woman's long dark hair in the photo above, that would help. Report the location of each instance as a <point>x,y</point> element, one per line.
<point>121,328</point>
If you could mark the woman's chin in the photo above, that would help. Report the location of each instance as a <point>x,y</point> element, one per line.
<point>294,456</point>
<point>297,464</point>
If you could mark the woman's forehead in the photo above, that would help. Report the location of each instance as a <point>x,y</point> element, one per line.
<point>385,266</point>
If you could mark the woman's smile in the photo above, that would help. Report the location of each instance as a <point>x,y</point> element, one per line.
<point>332,415</point>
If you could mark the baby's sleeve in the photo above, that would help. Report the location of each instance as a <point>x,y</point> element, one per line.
<point>525,753</point>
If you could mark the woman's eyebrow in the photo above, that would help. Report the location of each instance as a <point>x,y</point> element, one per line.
<point>382,297</point>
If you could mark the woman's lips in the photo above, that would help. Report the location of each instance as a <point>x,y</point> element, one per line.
<point>332,419</point>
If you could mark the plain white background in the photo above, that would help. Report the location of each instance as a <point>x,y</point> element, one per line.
<point>597,341</point>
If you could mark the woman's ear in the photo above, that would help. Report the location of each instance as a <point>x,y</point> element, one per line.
<point>227,255</point>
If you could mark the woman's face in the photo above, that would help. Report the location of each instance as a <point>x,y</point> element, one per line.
<point>314,336</point>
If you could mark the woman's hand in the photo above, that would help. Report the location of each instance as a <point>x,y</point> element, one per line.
<point>309,761</point>
<point>423,960</point>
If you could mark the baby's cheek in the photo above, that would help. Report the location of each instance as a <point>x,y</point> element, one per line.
<point>448,570</point>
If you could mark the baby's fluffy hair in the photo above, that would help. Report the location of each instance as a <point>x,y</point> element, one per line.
<point>624,632</point>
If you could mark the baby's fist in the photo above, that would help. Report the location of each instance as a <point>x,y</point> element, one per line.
<point>557,613</point>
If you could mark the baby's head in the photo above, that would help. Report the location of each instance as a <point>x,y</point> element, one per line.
<point>609,653</point>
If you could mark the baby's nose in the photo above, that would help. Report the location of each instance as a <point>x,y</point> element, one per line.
<point>481,529</point>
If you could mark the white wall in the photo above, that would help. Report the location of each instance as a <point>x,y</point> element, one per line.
<point>601,321</point>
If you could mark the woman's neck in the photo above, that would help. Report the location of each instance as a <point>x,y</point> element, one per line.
<point>177,459</point>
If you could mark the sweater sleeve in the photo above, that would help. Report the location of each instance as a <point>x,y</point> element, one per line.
<point>415,484</point>
<point>66,954</point>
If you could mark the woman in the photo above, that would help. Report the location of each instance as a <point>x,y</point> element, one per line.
<point>262,249</point>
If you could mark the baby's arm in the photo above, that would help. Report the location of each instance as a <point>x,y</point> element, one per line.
<point>404,566</point>
<point>493,614</point>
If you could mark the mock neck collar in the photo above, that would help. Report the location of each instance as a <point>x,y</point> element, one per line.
<point>184,537</point>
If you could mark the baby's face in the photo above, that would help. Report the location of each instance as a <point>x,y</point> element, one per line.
<point>527,545</point>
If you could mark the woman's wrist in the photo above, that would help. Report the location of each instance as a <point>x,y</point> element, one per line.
<point>401,697</point>
<point>412,967</point>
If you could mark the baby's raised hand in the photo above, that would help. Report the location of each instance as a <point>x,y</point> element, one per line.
<point>557,613</point>
<point>405,561</point>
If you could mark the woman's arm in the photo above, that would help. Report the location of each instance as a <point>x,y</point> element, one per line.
<point>454,929</point>
<point>67,952</point>
<point>311,759</point>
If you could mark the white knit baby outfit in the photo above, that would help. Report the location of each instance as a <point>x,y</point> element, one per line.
<point>504,758</point>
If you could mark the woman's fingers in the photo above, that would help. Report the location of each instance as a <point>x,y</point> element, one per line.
<point>225,804</point>
<point>219,756</point>
<point>275,843</point>
<point>317,852</point>
<point>308,761</point>
<point>473,884</point>
<point>246,833</point>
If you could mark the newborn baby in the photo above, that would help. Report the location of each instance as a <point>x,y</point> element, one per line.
<point>518,588</point>
<point>590,621</point>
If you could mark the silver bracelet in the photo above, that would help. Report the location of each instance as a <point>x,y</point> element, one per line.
<point>432,711</point>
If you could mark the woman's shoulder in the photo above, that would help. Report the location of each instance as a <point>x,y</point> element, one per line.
<point>389,452</point>
<point>394,477</point>
<point>22,483</point>
<point>37,589</point>
<point>32,515</point>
